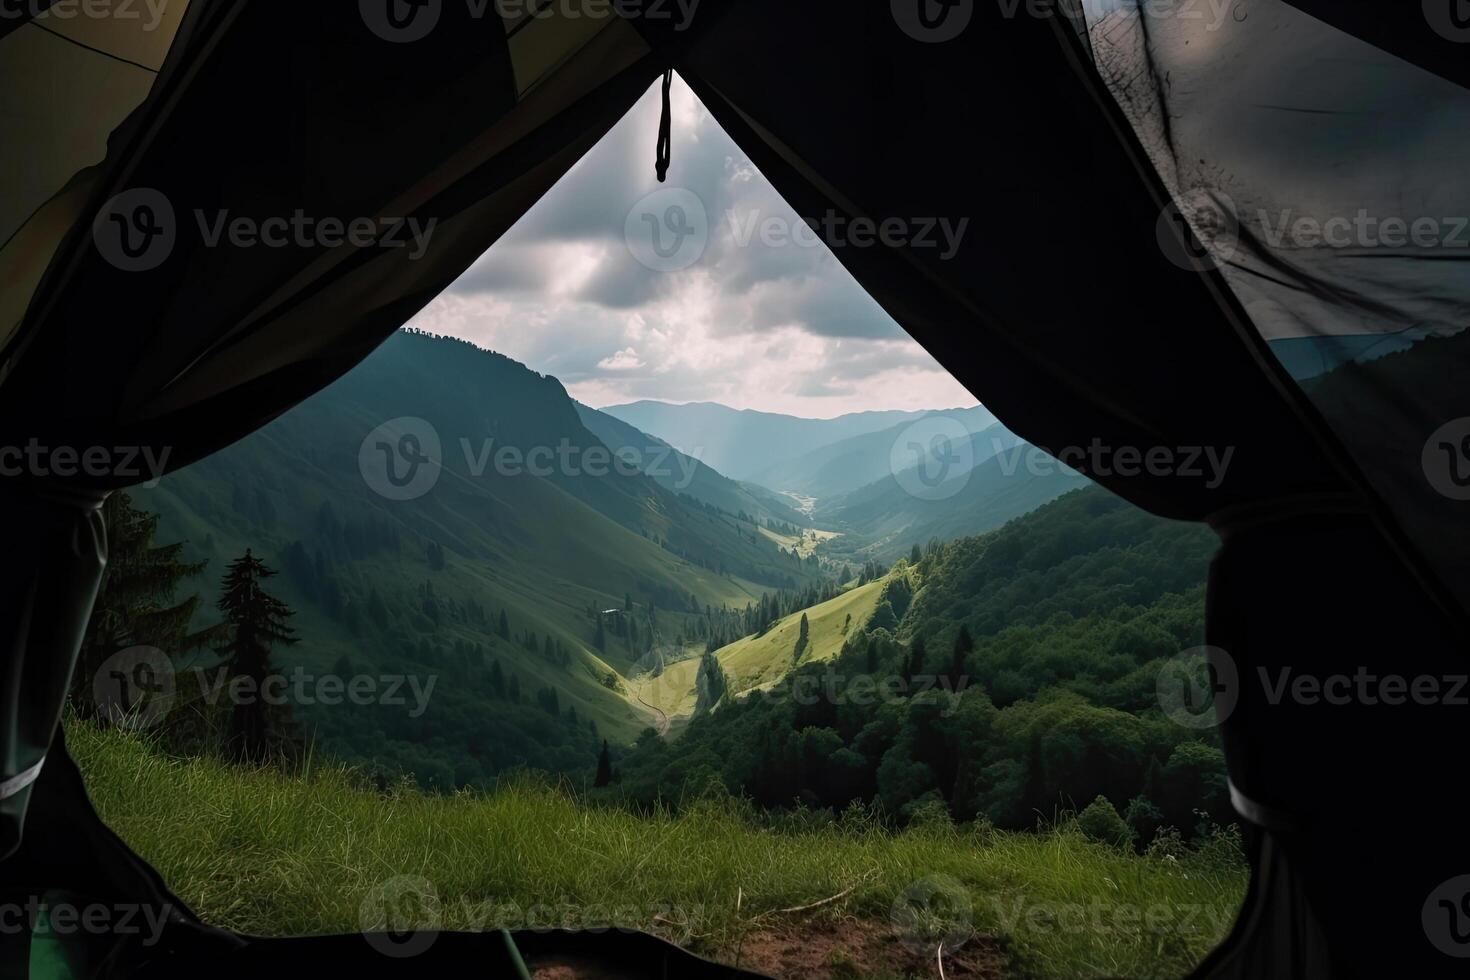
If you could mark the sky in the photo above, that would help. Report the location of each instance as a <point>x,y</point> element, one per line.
<point>767,321</point>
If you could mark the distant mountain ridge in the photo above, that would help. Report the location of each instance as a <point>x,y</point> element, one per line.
<point>418,585</point>
<point>856,461</point>
<point>683,474</point>
<point>742,442</point>
<point>858,473</point>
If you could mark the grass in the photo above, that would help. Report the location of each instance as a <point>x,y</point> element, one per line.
<point>270,854</point>
<point>758,661</point>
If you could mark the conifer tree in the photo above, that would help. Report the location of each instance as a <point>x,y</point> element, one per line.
<point>963,645</point>
<point>255,622</point>
<point>604,767</point>
<point>137,603</point>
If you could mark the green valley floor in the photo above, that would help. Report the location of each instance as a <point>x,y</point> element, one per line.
<point>797,895</point>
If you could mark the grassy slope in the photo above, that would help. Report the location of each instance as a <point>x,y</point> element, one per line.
<point>806,544</point>
<point>538,548</point>
<point>759,661</point>
<point>290,856</point>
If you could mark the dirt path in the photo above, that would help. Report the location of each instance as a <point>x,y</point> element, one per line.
<point>842,950</point>
<point>663,719</point>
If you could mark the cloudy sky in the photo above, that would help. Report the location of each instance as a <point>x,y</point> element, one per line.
<point>756,323</point>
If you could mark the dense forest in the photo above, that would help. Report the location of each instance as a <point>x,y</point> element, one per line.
<point>1006,676</point>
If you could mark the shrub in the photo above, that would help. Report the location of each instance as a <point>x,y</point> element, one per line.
<point>1143,818</point>
<point>1100,822</point>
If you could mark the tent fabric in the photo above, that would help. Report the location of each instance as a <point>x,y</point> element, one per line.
<point>180,359</point>
<point>1075,309</point>
<point>1035,312</point>
<point>1322,174</point>
<point>52,67</point>
<point>1265,942</point>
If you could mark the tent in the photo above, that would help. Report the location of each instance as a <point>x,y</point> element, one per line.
<point>1120,286</point>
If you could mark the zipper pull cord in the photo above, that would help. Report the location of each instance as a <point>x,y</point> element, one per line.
<point>664,135</point>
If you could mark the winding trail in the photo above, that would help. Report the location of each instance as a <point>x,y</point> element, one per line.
<point>663,725</point>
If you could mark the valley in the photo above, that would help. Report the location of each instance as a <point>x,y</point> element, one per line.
<point>638,667</point>
<point>573,603</point>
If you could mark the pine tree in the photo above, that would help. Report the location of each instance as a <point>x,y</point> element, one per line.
<point>256,621</point>
<point>802,638</point>
<point>916,660</point>
<point>604,767</point>
<point>504,625</point>
<point>136,603</point>
<point>963,645</point>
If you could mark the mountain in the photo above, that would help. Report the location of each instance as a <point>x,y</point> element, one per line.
<point>528,560</point>
<point>884,519</point>
<point>683,474</point>
<point>740,443</point>
<point>856,461</point>
<point>1037,688</point>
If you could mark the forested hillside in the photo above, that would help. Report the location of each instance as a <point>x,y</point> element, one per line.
<point>530,595</point>
<point>1004,676</point>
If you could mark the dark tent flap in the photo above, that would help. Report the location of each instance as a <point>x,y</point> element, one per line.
<point>253,241</point>
<point>1060,310</point>
<point>1325,176</point>
<point>163,329</point>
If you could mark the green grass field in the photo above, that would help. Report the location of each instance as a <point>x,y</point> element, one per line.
<point>270,854</point>
<point>758,661</point>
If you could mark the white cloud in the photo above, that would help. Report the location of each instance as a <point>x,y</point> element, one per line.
<point>774,327</point>
<point>624,360</point>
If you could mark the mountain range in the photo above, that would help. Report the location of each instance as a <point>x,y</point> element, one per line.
<point>445,511</point>
<point>742,443</point>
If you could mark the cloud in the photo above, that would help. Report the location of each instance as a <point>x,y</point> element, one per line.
<point>759,321</point>
<point>624,360</point>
